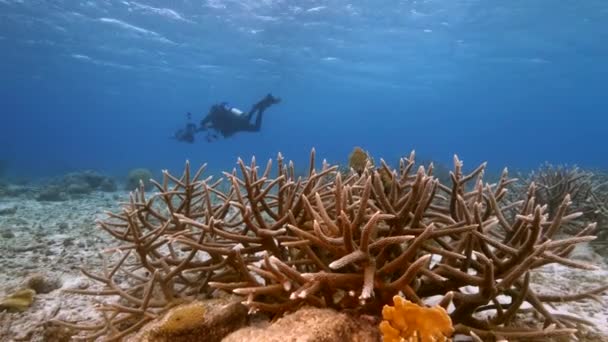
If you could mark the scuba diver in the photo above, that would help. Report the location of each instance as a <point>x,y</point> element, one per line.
<point>226,121</point>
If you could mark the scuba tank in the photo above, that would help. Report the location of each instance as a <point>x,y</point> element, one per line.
<point>233,110</point>
<point>236,111</point>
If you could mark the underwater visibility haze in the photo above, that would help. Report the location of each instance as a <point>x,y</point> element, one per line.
<point>361,240</point>
<point>103,84</point>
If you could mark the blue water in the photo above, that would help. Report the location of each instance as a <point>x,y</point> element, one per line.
<point>103,84</point>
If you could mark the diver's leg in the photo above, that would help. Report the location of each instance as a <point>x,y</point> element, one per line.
<point>258,120</point>
<point>247,126</point>
<point>261,105</point>
<point>255,127</point>
<point>252,111</point>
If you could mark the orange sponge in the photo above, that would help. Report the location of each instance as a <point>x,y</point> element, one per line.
<point>407,321</point>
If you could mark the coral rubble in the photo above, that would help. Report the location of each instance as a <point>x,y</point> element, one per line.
<point>342,241</point>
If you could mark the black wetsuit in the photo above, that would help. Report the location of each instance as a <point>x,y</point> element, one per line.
<point>222,120</point>
<point>225,122</point>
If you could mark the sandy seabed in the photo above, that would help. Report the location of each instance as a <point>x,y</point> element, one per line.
<point>54,239</point>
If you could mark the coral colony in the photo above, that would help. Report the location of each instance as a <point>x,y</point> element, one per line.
<point>356,240</point>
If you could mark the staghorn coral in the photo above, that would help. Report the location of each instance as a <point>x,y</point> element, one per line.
<point>599,201</point>
<point>588,191</point>
<point>554,183</point>
<point>152,270</point>
<point>406,321</point>
<point>348,242</point>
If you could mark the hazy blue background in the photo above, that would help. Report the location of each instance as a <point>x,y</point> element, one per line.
<point>102,84</point>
